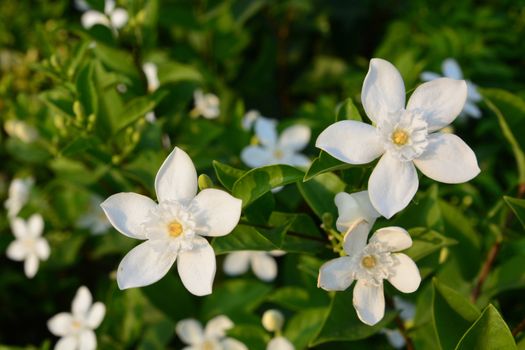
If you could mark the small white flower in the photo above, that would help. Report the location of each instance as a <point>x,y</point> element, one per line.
<point>277,150</point>
<point>273,321</point>
<point>353,208</point>
<point>394,337</point>
<point>403,138</point>
<point>76,328</point>
<point>451,69</point>
<point>370,264</point>
<point>113,17</point>
<point>150,70</point>
<point>207,105</point>
<point>262,263</point>
<point>94,219</point>
<point>279,343</point>
<point>18,195</point>
<point>173,229</point>
<point>212,337</point>
<point>21,130</point>
<point>249,119</point>
<point>29,245</point>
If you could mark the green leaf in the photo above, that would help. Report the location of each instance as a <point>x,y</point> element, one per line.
<point>254,337</point>
<point>320,192</point>
<point>488,332</point>
<point>518,207</point>
<point>348,111</point>
<point>80,145</point>
<point>507,276</point>
<point>57,103</point>
<point>157,335</point>
<point>118,60</point>
<point>324,163</point>
<point>425,242</point>
<point>244,237</point>
<point>297,298</point>
<point>87,93</point>
<point>173,72</point>
<point>137,108</point>
<point>303,326</point>
<point>226,174</point>
<point>258,181</point>
<point>452,313</point>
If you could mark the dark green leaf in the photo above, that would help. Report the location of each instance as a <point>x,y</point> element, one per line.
<point>348,111</point>
<point>137,108</point>
<point>425,242</point>
<point>303,326</point>
<point>87,93</point>
<point>227,175</point>
<point>320,192</point>
<point>323,164</point>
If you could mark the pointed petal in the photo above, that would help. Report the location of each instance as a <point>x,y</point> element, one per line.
<point>451,69</point>
<point>369,302</point>
<point>87,340</point>
<point>31,265</point>
<point>232,344</point>
<point>67,343</point>
<point>256,156</point>
<point>16,251</point>
<point>351,141</point>
<point>355,237</point>
<point>428,76</point>
<point>19,228</point>
<point>448,159</point>
<point>96,315</point>
<point>91,18</point>
<point>109,5</point>
<point>82,302</point>
<point>145,264</point>
<point>42,249</point>
<point>35,225</point>
<point>354,207</point>
<point>471,110</point>
<point>472,92</point>
<point>336,274</point>
<point>280,343</point>
<point>127,211</point>
<point>266,131</point>
<point>216,327</point>
<point>216,212</point>
<point>406,278</point>
<point>197,267</point>
<point>264,266</point>
<point>383,90</point>
<point>177,178</point>
<point>392,185</point>
<point>237,263</point>
<point>295,137</point>
<point>190,331</point>
<point>393,237</point>
<point>119,18</point>
<point>60,324</point>
<point>440,101</point>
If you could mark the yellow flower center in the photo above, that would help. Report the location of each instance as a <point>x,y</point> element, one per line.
<point>278,154</point>
<point>75,324</point>
<point>368,261</point>
<point>174,229</point>
<point>400,137</point>
<point>207,345</point>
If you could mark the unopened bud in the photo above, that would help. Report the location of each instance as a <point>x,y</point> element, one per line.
<point>205,182</point>
<point>273,320</point>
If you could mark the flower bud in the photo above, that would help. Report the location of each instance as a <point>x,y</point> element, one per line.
<point>273,320</point>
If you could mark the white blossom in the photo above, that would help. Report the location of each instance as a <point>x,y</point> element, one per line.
<point>263,263</point>
<point>451,69</point>
<point>370,264</point>
<point>273,321</point>
<point>206,105</point>
<point>94,219</point>
<point>213,336</point>
<point>18,195</point>
<point>21,130</point>
<point>29,245</point>
<point>249,119</point>
<point>353,208</point>
<point>113,17</point>
<point>76,329</point>
<point>174,228</point>
<point>403,138</point>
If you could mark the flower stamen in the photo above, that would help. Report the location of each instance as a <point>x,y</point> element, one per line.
<point>175,229</point>
<point>400,137</point>
<point>368,261</point>
<point>278,154</point>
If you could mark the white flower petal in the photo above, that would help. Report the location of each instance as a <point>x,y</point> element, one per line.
<point>31,265</point>
<point>35,225</point>
<point>336,274</point>
<point>87,340</point>
<point>406,278</point>
<point>190,331</point>
<point>256,156</point>
<point>264,266</point>
<point>451,69</point>
<point>472,92</point>
<point>216,327</point>
<point>145,264</point>
<point>448,159</point>
<point>440,101</point>
<point>96,315</point>
<point>82,302</point>
<point>369,302</point>
<point>393,237</point>
<point>42,249</point>
<point>237,263</point>
<point>232,344</point>
<point>127,211</point>
<point>91,18</point>
<point>150,71</point>
<point>216,212</point>
<point>471,110</point>
<point>60,324</point>
<point>119,18</point>
<point>383,90</point>
<point>392,185</point>
<point>295,137</point>
<point>354,207</point>
<point>296,159</point>
<point>19,228</point>
<point>266,131</point>
<point>176,178</point>
<point>16,251</point>
<point>394,337</point>
<point>67,343</point>
<point>197,267</point>
<point>428,76</point>
<point>351,142</point>
<point>355,237</point>
<point>109,5</point>
<point>280,343</point>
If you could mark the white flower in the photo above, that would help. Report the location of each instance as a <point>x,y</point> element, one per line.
<point>29,245</point>
<point>353,208</point>
<point>76,328</point>
<point>277,150</point>
<point>263,263</point>
<point>18,195</point>
<point>273,321</point>
<point>113,17</point>
<point>280,343</point>
<point>403,137</point>
<point>394,337</point>
<point>173,228</point>
<point>249,119</point>
<point>213,337</point>
<point>21,130</point>
<point>451,69</point>
<point>150,71</point>
<point>206,105</point>
<point>370,264</point>
<point>94,219</point>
